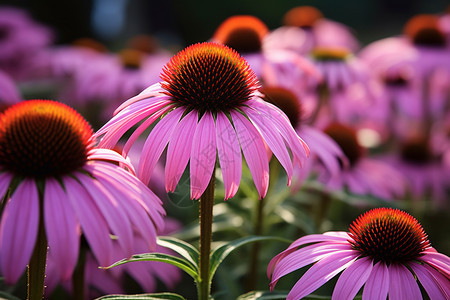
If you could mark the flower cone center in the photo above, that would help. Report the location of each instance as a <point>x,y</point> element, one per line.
<point>302,16</point>
<point>388,235</point>
<point>333,54</point>
<point>242,33</point>
<point>90,44</point>
<point>286,101</point>
<point>347,139</point>
<point>423,30</point>
<point>416,151</point>
<point>209,77</point>
<point>41,138</point>
<point>130,58</point>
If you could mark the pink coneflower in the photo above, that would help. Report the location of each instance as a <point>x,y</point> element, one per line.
<point>363,175</point>
<point>20,38</point>
<point>305,28</point>
<point>325,155</point>
<point>9,94</point>
<point>386,250</point>
<point>209,101</point>
<point>246,35</point>
<point>424,169</point>
<point>52,177</point>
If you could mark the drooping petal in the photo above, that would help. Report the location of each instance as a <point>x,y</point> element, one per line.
<point>203,155</point>
<point>273,139</point>
<point>156,142</point>
<point>115,216</point>
<point>152,91</point>
<point>352,279</point>
<point>179,150</point>
<point>229,153</point>
<point>18,230</point>
<point>434,283</point>
<point>438,260</point>
<point>377,285</point>
<point>92,222</point>
<point>402,285</point>
<point>110,155</point>
<point>62,228</point>
<point>5,180</point>
<point>320,273</point>
<point>254,152</point>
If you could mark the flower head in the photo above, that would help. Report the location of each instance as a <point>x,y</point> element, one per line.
<point>47,160</point>
<point>385,250</point>
<point>209,102</point>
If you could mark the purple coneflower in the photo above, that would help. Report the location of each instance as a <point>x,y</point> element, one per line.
<point>246,34</point>
<point>386,250</point>
<point>208,102</point>
<point>53,179</point>
<point>363,175</point>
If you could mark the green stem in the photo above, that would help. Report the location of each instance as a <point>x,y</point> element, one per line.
<point>78,275</point>
<point>206,220</point>
<point>254,264</point>
<point>37,265</point>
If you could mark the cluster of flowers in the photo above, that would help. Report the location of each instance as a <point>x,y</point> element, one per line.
<point>306,93</point>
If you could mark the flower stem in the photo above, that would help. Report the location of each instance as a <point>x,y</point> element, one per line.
<point>37,265</point>
<point>78,275</point>
<point>206,220</point>
<point>254,264</point>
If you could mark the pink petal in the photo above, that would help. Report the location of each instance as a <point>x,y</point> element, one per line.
<point>273,139</point>
<point>435,284</point>
<point>110,155</point>
<point>352,279</point>
<point>377,285</point>
<point>179,149</point>
<point>92,222</point>
<point>402,284</point>
<point>156,142</point>
<point>438,260</point>
<point>320,273</point>
<point>229,153</point>
<point>203,155</point>
<point>254,152</point>
<point>110,208</point>
<point>62,228</point>
<point>152,91</point>
<point>5,180</point>
<point>306,256</point>
<point>18,230</point>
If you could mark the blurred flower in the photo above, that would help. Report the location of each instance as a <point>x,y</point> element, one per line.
<point>424,169</point>
<point>9,93</point>
<point>325,155</point>
<point>305,28</point>
<point>20,38</point>
<point>386,250</point>
<point>246,34</point>
<point>363,175</point>
<point>207,101</point>
<point>47,160</point>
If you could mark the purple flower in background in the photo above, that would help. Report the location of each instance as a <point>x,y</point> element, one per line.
<point>20,38</point>
<point>386,251</point>
<point>207,102</point>
<point>47,160</point>
<point>9,94</point>
<point>363,175</point>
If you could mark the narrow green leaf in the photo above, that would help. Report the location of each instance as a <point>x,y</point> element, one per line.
<point>219,254</point>
<point>186,250</point>
<point>166,296</point>
<point>161,257</point>
<point>263,295</point>
<point>5,295</point>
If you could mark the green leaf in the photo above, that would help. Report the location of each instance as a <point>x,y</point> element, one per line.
<point>186,250</point>
<point>266,295</point>
<point>5,295</point>
<point>161,257</point>
<point>219,254</point>
<point>166,296</point>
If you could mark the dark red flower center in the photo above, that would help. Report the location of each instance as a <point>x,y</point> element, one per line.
<point>302,16</point>
<point>42,138</point>
<point>347,139</point>
<point>416,151</point>
<point>209,77</point>
<point>424,30</point>
<point>242,33</point>
<point>388,235</point>
<point>330,54</point>
<point>131,59</point>
<point>144,43</point>
<point>286,101</point>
